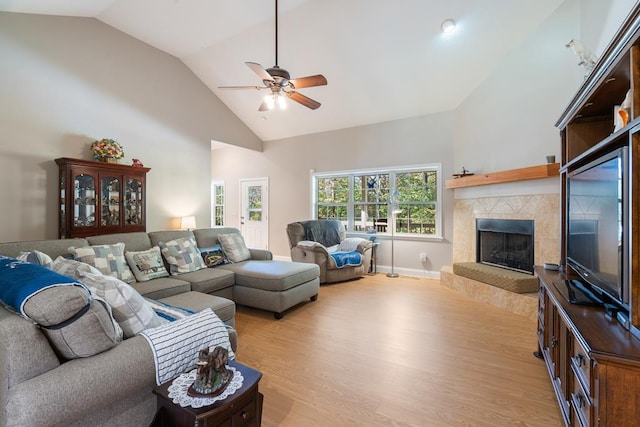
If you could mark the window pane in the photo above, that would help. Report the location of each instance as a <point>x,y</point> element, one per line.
<point>370,200</point>
<point>218,205</point>
<point>219,215</point>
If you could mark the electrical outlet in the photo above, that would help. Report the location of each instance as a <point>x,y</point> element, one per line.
<point>423,257</point>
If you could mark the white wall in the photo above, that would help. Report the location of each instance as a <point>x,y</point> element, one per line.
<point>508,122</point>
<point>600,21</point>
<point>288,162</point>
<point>68,81</point>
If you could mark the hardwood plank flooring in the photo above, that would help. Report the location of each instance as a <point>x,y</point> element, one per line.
<point>396,352</point>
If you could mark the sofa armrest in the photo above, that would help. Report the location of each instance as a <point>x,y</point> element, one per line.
<point>83,386</point>
<point>364,246</point>
<point>261,254</point>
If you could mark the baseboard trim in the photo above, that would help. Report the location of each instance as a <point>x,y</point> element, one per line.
<point>413,272</point>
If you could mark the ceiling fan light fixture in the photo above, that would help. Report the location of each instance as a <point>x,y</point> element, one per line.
<point>282,102</point>
<point>448,26</point>
<point>270,101</point>
<point>274,99</point>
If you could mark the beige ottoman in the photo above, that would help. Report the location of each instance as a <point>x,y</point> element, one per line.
<point>274,285</point>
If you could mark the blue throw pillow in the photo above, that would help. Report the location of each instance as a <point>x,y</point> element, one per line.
<point>213,256</point>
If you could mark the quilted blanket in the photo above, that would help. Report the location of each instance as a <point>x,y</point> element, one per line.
<point>175,345</point>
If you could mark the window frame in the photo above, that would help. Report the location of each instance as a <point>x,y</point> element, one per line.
<point>391,171</point>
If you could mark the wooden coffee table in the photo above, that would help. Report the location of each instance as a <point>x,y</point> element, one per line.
<point>242,408</point>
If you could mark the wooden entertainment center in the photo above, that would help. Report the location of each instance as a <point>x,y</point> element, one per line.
<point>593,358</point>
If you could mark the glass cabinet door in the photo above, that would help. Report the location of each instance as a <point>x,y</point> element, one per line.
<point>110,212</point>
<point>133,198</point>
<point>84,207</point>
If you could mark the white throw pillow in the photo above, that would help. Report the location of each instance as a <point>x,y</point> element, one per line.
<point>36,257</point>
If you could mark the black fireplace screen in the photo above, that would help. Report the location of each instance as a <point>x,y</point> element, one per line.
<point>505,243</point>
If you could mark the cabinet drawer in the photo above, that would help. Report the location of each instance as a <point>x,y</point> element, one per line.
<point>581,404</point>
<point>245,416</point>
<point>581,363</point>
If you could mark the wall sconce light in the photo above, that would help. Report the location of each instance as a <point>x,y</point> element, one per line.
<point>188,222</point>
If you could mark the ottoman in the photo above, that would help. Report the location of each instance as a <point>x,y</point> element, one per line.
<point>274,285</point>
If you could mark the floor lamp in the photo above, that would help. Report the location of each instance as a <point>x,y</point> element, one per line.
<point>394,212</point>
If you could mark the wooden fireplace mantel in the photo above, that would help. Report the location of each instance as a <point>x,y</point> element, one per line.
<point>522,174</point>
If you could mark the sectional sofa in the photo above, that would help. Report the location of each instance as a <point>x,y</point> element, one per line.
<point>113,387</point>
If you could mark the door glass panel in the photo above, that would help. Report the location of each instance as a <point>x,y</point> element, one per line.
<point>110,212</point>
<point>255,202</point>
<point>133,201</point>
<point>84,207</point>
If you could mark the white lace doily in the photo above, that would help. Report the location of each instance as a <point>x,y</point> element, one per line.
<point>179,386</point>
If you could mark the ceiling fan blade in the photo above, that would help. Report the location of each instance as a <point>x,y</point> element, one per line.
<point>309,81</point>
<point>260,71</point>
<point>242,87</point>
<point>304,100</point>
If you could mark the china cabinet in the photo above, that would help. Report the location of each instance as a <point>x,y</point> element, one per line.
<point>100,198</point>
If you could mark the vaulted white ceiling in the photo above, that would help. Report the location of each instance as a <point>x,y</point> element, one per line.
<point>384,60</point>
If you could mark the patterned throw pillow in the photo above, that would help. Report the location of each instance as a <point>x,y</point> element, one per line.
<point>71,267</point>
<point>109,259</point>
<point>213,256</point>
<point>36,257</point>
<point>182,255</point>
<point>234,247</point>
<point>130,309</point>
<point>146,265</point>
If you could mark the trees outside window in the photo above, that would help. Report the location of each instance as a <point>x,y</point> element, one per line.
<point>363,200</point>
<point>217,189</point>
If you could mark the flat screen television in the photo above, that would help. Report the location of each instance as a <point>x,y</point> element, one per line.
<point>597,235</point>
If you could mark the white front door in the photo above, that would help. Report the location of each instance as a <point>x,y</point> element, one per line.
<point>254,212</point>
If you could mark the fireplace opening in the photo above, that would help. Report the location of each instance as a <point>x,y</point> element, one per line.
<point>506,243</point>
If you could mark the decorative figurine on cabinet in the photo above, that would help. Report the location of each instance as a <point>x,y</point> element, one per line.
<point>212,375</point>
<point>137,163</point>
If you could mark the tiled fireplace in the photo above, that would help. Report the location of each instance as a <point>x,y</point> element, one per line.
<point>542,209</point>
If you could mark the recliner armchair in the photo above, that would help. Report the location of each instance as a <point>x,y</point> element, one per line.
<point>313,241</point>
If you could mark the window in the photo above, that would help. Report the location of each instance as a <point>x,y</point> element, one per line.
<point>218,204</point>
<point>362,200</point>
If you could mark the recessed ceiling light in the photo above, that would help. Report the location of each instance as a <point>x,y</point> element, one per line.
<point>448,26</point>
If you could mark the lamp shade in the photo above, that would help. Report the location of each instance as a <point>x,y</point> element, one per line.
<point>188,222</point>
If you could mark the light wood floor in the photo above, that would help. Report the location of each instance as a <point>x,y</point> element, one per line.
<point>396,352</point>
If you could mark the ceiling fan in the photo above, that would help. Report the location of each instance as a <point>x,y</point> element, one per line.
<point>279,82</point>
